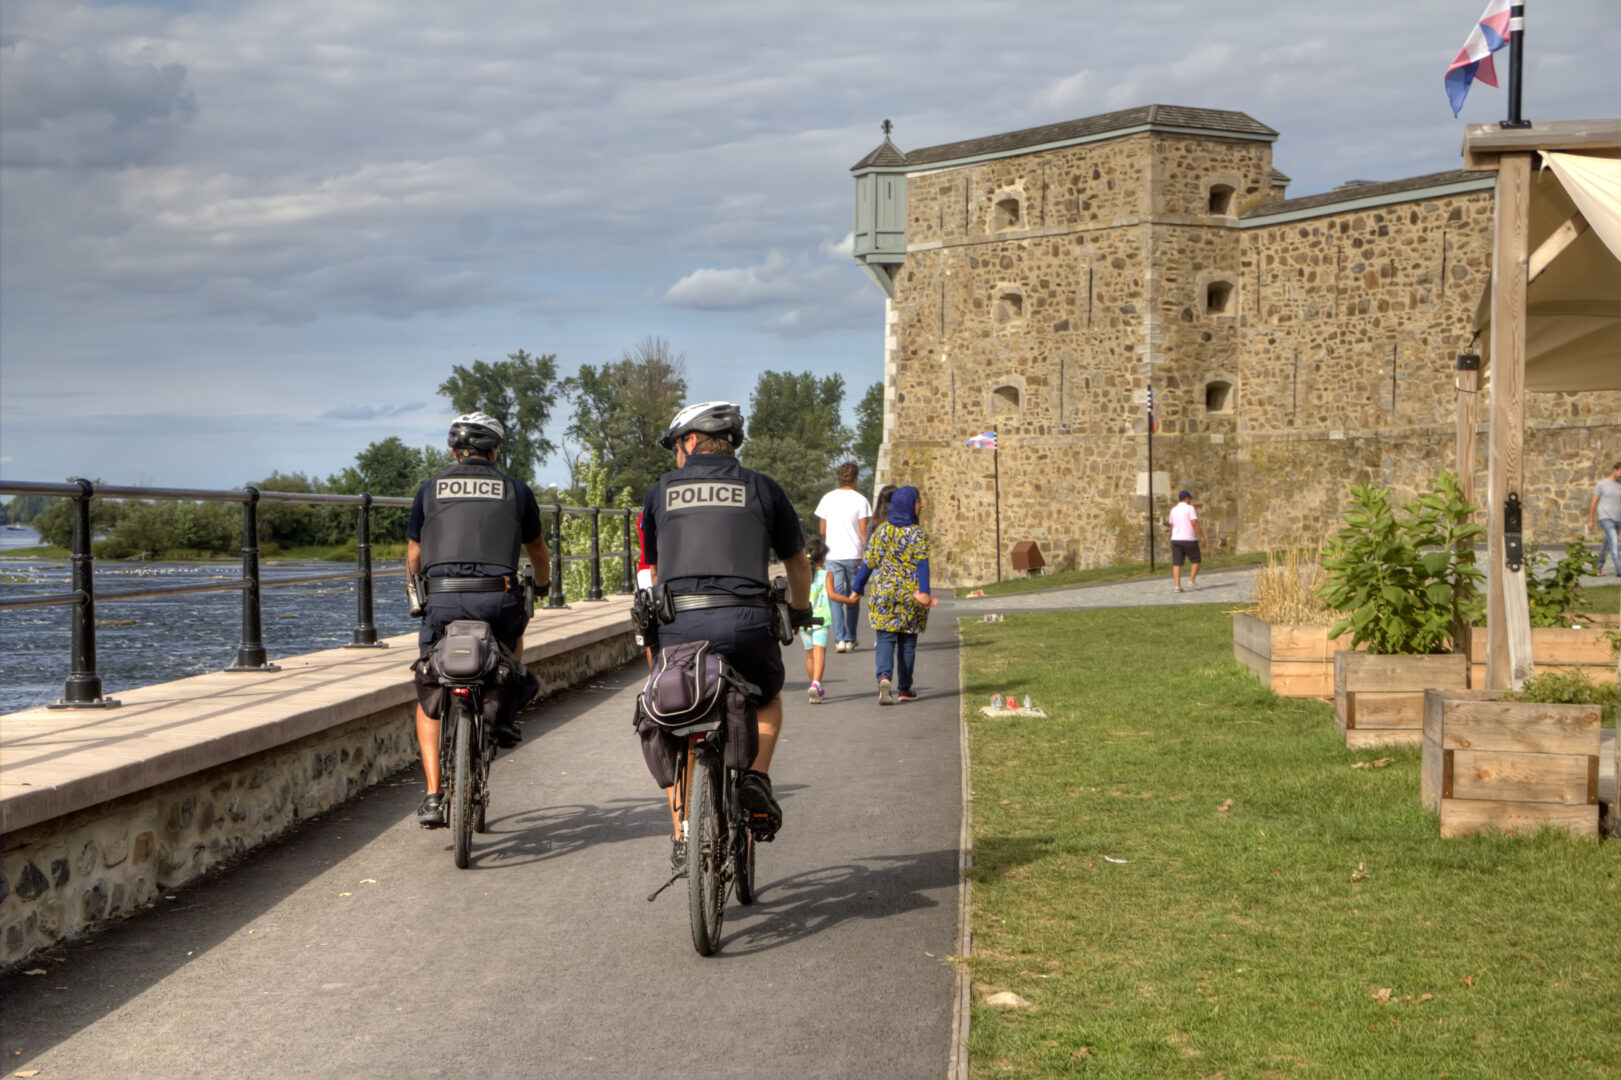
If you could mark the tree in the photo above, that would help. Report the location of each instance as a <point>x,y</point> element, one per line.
<point>622,409</point>
<point>869,433</point>
<point>794,435</point>
<point>519,391</point>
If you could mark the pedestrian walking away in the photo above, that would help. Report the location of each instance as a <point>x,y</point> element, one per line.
<point>462,541</point>
<point>1186,535</point>
<point>843,516</point>
<point>1605,510</point>
<point>815,637</point>
<point>709,528</point>
<point>895,574</point>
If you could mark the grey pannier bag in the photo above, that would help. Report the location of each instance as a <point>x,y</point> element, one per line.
<point>466,652</point>
<point>691,683</point>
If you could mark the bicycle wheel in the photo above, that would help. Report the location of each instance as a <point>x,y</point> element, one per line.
<point>744,850</point>
<point>706,854</point>
<point>461,782</point>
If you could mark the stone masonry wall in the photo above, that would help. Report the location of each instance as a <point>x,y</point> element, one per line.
<point>1336,341</point>
<point>62,877</point>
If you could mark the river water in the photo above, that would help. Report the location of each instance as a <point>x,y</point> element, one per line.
<point>139,642</point>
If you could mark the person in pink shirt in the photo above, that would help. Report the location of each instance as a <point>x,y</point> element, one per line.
<point>1186,535</point>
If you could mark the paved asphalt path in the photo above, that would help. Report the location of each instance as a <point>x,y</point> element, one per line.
<point>355,948</point>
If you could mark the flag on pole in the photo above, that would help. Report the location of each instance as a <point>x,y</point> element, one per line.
<point>987,441</point>
<point>1474,60</point>
<point>1152,426</point>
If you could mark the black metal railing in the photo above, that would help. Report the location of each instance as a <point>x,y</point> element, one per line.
<point>83,688</point>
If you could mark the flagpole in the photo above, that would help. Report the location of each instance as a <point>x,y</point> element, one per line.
<point>1151,566</point>
<point>996,474</point>
<point>1516,46</point>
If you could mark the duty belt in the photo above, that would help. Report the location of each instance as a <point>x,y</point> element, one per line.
<point>466,584</point>
<point>694,602</point>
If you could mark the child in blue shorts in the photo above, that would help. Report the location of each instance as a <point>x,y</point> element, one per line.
<point>815,637</point>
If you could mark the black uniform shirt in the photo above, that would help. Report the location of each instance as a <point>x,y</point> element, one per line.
<point>528,532</point>
<point>786,536</point>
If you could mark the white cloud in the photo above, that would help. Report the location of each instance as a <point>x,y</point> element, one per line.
<point>841,249</point>
<point>775,280</point>
<point>1066,93</point>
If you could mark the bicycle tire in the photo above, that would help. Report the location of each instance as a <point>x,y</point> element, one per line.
<point>745,865</point>
<point>461,783</point>
<point>706,854</point>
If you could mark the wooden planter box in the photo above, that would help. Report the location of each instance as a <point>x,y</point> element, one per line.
<point>1554,647</point>
<point>1509,766</point>
<point>1293,661</point>
<point>1379,700</point>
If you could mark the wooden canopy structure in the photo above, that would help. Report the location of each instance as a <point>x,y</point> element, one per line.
<point>1552,319</point>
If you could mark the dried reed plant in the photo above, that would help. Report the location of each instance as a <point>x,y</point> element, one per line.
<point>1286,589</point>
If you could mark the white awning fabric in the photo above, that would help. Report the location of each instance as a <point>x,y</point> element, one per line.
<point>1573,310</point>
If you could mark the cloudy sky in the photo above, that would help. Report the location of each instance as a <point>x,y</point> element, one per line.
<point>245,235</point>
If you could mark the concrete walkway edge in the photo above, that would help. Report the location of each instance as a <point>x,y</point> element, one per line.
<point>961,1009</point>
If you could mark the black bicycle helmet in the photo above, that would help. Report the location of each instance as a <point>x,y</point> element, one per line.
<point>720,419</point>
<point>476,431</point>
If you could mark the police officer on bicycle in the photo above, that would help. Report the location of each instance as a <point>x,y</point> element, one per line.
<point>708,529</point>
<point>466,528</point>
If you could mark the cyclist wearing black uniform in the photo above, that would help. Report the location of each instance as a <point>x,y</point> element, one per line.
<point>466,528</point>
<point>708,529</point>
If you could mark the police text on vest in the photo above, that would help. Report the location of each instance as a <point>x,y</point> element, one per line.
<point>704,494</point>
<point>461,487</point>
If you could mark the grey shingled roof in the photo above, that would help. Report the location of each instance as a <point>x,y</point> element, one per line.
<point>885,154</point>
<point>1280,177</point>
<point>1364,191</point>
<point>1165,116</point>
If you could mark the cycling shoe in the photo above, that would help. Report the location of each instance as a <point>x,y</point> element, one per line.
<point>765,816</point>
<point>431,814</point>
<point>506,736</point>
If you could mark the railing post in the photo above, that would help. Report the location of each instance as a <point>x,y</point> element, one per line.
<point>595,592</point>
<point>365,626</point>
<point>628,585</point>
<point>250,655</point>
<point>554,596</point>
<point>83,687</point>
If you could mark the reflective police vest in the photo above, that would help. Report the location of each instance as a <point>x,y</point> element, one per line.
<point>471,516</point>
<point>710,521</point>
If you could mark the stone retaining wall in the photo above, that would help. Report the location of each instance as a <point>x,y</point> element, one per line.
<point>61,877</point>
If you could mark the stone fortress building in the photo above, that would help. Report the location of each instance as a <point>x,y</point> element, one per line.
<point>1040,281</point>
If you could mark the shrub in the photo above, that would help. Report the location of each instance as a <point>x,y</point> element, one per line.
<point>1556,597</point>
<point>1570,687</point>
<point>1406,578</point>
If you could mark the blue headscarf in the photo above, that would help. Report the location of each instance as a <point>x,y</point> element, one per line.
<point>903,507</point>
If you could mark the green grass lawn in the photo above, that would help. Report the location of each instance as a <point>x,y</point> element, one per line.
<point>1122,572</point>
<point>1274,912</point>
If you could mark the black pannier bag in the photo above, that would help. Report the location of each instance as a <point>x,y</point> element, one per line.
<point>692,683</point>
<point>468,651</point>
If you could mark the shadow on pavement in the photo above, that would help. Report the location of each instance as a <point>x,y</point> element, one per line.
<point>90,977</point>
<point>816,900</point>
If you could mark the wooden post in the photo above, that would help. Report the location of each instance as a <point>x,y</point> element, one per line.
<point>1508,617</point>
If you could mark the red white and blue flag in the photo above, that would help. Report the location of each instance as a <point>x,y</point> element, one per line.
<point>1474,60</point>
<point>986,441</point>
<point>1152,425</point>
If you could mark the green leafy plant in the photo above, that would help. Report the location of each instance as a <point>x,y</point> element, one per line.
<point>1556,597</point>
<point>1405,577</point>
<point>1570,687</point>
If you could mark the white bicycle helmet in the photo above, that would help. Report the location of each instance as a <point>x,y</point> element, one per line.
<point>720,419</point>
<point>476,431</point>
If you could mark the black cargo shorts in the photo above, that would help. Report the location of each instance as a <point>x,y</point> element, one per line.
<point>742,635</point>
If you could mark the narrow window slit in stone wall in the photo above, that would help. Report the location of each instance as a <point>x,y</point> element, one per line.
<point>1218,396</point>
<point>1221,200</point>
<point>1218,295</point>
<point>1009,307</point>
<point>1005,400</point>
